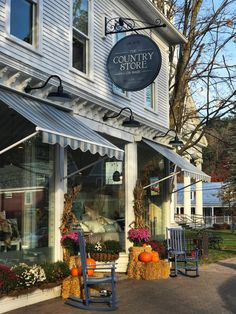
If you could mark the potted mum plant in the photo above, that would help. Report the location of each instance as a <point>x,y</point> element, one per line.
<point>70,242</point>
<point>139,236</point>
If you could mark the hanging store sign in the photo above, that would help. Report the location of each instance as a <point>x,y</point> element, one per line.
<point>134,62</point>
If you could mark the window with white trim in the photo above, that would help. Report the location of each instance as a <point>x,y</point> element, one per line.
<point>80,35</point>
<point>23,22</point>
<point>115,89</point>
<point>192,195</point>
<point>150,97</point>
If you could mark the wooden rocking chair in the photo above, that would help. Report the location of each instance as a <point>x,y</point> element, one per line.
<point>178,255</point>
<point>106,301</point>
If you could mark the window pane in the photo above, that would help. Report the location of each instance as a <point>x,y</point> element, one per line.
<point>99,204</point>
<point>79,52</point>
<point>21,20</point>
<point>148,95</point>
<point>117,90</point>
<point>80,15</point>
<point>27,202</point>
<point>150,170</point>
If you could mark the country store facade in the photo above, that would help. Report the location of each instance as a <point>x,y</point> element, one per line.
<point>49,145</point>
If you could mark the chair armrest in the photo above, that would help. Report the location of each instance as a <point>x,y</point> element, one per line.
<point>104,268</point>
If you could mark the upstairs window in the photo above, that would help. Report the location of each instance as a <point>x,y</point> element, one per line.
<point>80,35</point>
<point>117,90</point>
<point>150,97</point>
<point>23,20</point>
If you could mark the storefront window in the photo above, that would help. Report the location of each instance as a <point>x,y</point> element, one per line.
<point>150,170</point>
<point>27,203</point>
<point>100,203</point>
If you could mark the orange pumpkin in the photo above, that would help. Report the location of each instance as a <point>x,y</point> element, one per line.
<point>74,271</point>
<point>145,257</point>
<point>90,272</point>
<point>155,257</point>
<point>144,245</point>
<point>91,263</point>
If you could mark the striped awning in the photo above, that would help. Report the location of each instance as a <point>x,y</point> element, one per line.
<point>182,163</point>
<point>59,126</point>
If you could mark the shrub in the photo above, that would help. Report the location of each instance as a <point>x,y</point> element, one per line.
<point>223,226</point>
<point>8,279</point>
<point>56,271</point>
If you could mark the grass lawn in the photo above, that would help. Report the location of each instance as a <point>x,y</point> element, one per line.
<point>227,248</point>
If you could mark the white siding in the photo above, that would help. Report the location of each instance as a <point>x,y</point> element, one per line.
<point>54,58</point>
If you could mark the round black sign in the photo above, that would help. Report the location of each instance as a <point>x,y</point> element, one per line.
<point>134,62</point>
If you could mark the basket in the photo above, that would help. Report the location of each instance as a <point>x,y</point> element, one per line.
<point>104,257</point>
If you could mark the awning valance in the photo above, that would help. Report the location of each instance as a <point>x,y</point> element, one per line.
<point>59,126</point>
<point>182,163</point>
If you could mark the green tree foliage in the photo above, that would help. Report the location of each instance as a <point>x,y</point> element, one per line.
<point>231,181</point>
<point>228,192</point>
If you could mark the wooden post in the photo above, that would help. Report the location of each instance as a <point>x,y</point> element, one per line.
<point>205,244</point>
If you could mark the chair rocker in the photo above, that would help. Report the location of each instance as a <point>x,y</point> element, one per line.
<point>182,262</point>
<point>101,302</point>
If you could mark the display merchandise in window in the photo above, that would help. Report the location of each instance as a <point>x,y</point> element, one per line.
<point>99,205</point>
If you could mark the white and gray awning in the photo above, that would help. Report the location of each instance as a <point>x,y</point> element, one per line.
<point>182,163</point>
<point>59,126</point>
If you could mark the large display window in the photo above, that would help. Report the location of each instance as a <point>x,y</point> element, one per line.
<point>100,203</point>
<point>151,168</point>
<point>27,203</point>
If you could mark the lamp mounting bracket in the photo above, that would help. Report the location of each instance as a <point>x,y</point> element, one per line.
<point>125,25</point>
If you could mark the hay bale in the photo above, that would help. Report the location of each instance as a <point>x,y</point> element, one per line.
<point>147,271</point>
<point>72,286</point>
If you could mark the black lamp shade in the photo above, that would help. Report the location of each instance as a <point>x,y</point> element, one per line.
<point>59,96</point>
<point>131,123</point>
<point>176,142</point>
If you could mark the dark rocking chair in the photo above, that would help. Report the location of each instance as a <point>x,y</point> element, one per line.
<point>106,301</point>
<point>178,255</point>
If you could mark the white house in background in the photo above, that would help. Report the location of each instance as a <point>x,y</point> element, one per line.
<point>47,146</point>
<point>193,155</point>
<point>212,204</point>
<point>214,209</point>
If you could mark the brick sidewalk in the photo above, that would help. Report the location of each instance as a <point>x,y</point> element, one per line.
<point>214,292</point>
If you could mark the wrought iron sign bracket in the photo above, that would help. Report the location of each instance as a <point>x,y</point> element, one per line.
<point>125,25</point>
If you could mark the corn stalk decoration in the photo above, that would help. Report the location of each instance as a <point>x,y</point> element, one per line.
<point>68,217</point>
<point>139,209</point>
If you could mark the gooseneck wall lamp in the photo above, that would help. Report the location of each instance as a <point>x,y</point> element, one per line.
<point>59,95</point>
<point>129,122</point>
<point>175,142</point>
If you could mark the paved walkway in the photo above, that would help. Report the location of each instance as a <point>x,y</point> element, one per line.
<point>214,292</point>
